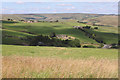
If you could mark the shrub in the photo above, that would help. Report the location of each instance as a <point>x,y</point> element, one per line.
<point>89,46</point>
<point>95,27</point>
<point>53,34</point>
<point>52,41</point>
<point>101,45</point>
<point>56,21</point>
<point>115,46</point>
<point>87,27</point>
<point>74,43</point>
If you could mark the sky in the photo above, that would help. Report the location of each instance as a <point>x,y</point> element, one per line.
<point>60,0</point>
<point>21,7</point>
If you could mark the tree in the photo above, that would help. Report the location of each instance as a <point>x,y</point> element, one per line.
<point>22,20</point>
<point>10,20</point>
<point>52,41</point>
<point>87,27</point>
<point>95,27</point>
<point>56,21</point>
<point>53,34</point>
<point>114,45</point>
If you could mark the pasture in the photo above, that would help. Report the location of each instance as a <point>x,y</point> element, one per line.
<point>58,62</point>
<point>22,30</point>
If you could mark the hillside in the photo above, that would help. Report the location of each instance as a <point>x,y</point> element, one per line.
<point>18,30</point>
<point>99,19</point>
<point>107,20</point>
<point>15,32</point>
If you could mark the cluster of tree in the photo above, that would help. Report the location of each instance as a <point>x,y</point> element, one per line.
<point>48,21</point>
<point>54,21</point>
<point>22,20</point>
<point>10,19</point>
<point>52,41</point>
<point>82,22</point>
<point>115,46</point>
<point>66,17</point>
<point>87,27</point>
<point>89,46</point>
<point>95,27</point>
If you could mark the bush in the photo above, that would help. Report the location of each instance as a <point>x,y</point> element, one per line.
<point>95,27</point>
<point>56,21</point>
<point>89,46</point>
<point>52,41</point>
<point>53,34</point>
<point>101,45</point>
<point>115,46</point>
<point>87,27</point>
<point>73,43</point>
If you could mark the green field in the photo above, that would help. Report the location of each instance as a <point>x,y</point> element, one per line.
<point>58,62</point>
<point>59,52</point>
<point>21,30</point>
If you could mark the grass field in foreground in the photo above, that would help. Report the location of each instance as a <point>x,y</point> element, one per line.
<point>59,52</point>
<point>58,62</point>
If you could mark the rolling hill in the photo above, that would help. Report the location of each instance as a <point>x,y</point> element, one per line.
<point>15,32</point>
<point>99,19</point>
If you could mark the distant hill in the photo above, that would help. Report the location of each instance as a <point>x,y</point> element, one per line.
<point>106,20</point>
<point>97,19</point>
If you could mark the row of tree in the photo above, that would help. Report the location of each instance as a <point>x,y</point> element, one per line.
<point>33,20</point>
<point>91,35</point>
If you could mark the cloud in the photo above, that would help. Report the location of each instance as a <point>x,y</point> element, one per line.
<point>19,2</point>
<point>3,9</point>
<point>70,8</point>
<point>73,7</point>
<point>64,4</point>
<point>48,7</point>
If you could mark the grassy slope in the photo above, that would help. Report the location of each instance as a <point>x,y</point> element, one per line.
<point>15,39</point>
<point>106,36</point>
<point>109,35</point>
<point>107,20</point>
<point>108,29</point>
<point>59,52</point>
<point>47,28</point>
